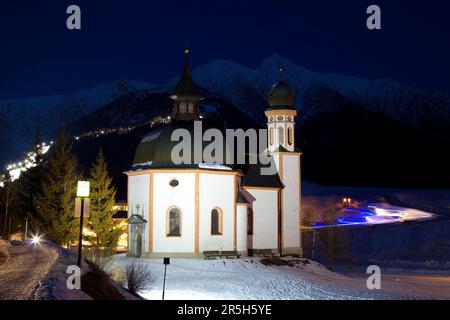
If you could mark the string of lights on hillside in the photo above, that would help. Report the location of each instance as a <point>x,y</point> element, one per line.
<point>15,169</point>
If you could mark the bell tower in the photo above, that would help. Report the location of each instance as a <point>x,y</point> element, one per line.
<point>281,146</point>
<point>281,117</point>
<point>186,96</point>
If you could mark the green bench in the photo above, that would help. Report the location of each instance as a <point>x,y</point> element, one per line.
<point>271,253</point>
<point>220,254</point>
<point>230,254</point>
<point>211,254</point>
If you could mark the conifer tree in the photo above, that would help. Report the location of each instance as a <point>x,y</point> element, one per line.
<point>55,202</point>
<point>30,182</point>
<point>103,195</point>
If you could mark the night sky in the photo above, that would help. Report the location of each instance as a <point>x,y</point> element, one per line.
<point>144,40</point>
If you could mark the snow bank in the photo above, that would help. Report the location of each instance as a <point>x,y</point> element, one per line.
<point>4,253</point>
<point>248,279</point>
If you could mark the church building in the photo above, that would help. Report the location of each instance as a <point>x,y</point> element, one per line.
<point>185,210</point>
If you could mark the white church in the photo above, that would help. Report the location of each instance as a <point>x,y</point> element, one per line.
<point>192,210</point>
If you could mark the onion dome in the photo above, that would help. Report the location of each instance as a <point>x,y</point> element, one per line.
<point>281,96</point>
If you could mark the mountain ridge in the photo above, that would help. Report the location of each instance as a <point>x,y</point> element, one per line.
<point>234,83</point>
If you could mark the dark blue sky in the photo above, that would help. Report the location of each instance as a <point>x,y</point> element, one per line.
<point>143,40</point>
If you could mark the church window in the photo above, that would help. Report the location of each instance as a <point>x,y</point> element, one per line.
<point>250,221</point>
<point>290,138</point>
<point>271,136</point>
<point>281,135</point>
<point>216,221</point>
<point>190,107</point>
<point>174,222</point>
<point>183,108</point>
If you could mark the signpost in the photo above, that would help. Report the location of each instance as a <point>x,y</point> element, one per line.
<point>82,205</point>
<point>166,261</point>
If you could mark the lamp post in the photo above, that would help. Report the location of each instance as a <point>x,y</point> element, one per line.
<point>80,204</point>
<point>26,229</point>
<point>166,262</point>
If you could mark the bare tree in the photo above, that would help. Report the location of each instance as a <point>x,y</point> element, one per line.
<point>138,276</point>
<point>330,234</point>
<point>309,220</point>
<point>345,249</point>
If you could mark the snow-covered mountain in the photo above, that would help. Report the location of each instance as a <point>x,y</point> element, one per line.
<point>243,87</point>
<point>247,88</point>
<point>20,118</point>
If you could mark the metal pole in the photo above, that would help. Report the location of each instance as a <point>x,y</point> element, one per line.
<point>26,228</point>
<point>9,228</point>
<point>80,237</point>
<point>164,283</point>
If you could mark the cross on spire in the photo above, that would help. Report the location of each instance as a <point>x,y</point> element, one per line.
<point>186,51</point>
<point>281,69</point>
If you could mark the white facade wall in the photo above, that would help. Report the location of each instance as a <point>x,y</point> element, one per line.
<point>216,191</point>
<point>291,201</point>
<point>241,230</point>
<point>265,218</point>
<point>165,197</point>
<point>138,195</point>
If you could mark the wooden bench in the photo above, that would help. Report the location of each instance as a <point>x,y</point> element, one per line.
<point>230,254</point>
<point>211,254</point>
<point>266,252</point>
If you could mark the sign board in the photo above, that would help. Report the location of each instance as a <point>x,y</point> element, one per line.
<point>86,207</point>
<point>166,260</point>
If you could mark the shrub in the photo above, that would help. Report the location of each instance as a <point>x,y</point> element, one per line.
<point>102,258</point>
<point>4,254</point>
<point>138,276</point>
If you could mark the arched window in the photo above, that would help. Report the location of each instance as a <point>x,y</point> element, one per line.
<point>174,222</point>
<point>290,137</point>
<point>250,221</point>
<point>183,107</point>
<point>216,221</point>
<point>281,135</point>
<point>271,136</point>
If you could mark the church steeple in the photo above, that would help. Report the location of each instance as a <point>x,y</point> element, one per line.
<point>281,116</point>
<point>186,95</point>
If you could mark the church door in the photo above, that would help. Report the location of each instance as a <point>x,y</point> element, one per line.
<point>138,246</point>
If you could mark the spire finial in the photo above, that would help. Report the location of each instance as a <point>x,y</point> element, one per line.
<point>186,50</point>
<point>281,69</point>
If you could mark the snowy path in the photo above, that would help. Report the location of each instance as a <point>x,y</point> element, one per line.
<point>247,278</point>
<point>21,274</point>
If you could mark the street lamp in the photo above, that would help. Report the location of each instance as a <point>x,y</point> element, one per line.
<point>26,229</point>
<point>81,209</point>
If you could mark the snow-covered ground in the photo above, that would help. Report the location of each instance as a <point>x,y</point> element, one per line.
<point>38,272</point>
<point>248,278</point>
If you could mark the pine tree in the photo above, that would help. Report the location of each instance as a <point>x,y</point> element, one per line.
<point>55,202</point>
<point>30,183</point>
<point>103,196</point>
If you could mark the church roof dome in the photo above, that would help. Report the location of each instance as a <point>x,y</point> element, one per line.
<point>281,96</point>
<point>155,149</point>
